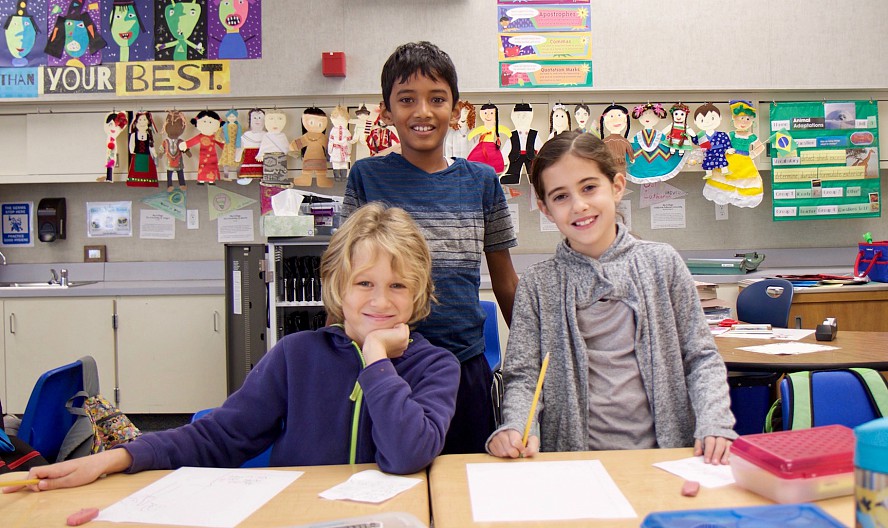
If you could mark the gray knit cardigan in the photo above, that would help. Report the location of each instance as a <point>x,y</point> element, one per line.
<point>682,372</point>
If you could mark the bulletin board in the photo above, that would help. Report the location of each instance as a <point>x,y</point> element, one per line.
<point>825,159</point>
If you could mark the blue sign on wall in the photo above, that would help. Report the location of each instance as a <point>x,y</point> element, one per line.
<point>16,222</point>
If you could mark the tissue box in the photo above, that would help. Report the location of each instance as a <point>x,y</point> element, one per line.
<point>288,226</point>
<point>796,466</point>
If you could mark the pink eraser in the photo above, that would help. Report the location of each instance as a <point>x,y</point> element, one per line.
<point>690,488</point>
<point>83,516</point>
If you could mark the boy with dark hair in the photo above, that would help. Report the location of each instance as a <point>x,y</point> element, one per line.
<point>461,210</point>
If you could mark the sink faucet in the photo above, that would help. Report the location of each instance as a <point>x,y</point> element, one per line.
<point>55,277</point>
<point>2,256</point>
<point>63,279</point>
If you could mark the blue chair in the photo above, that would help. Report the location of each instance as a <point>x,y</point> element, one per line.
<point>262,460</point>
<point>46,420</point>
<point>491,335</point>
<point>765,302</point>
<point>837,397</point>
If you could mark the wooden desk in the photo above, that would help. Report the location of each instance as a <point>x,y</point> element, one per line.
<point>855,307</point>
<point>647,488</point>
<point>856,349</point>
<point>297,504</point>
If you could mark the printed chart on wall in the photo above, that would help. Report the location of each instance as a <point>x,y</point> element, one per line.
<point>825,160</point>
<point>544,44</point>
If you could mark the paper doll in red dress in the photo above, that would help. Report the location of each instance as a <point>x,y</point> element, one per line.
<point>487,150</point>
<point>339,143</point>
<point>382,139</point>
<point>313,144</point>
<point>208,124</point>
<point>142,170</point>
<point>679,135</point>
<point>115,123</point>
<point>251,140</point>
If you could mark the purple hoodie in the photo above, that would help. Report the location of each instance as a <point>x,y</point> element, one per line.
<point>301,397</point>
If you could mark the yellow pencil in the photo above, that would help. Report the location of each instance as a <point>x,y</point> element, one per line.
<point>536,398</point>
<point>8,483</point>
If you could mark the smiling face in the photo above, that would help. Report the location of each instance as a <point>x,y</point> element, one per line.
<point>377,296</point>
<point>679,117</point>
<point>142,123</point>
<point>582,202</point>
<point>208,125</point>
<point>76,38</point>
<point>742,122</point>
<point>233,13</point>
<point>124,25</point>
<point>488,117</point>
<point>421,112</point>
<point>20,35</point>
<point>615,122</point>
<point>707,121</point>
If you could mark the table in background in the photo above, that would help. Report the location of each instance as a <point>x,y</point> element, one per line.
<point>856,349</point>
<point>647,488</point>
<point>297,504</point>
<point>854,307</point>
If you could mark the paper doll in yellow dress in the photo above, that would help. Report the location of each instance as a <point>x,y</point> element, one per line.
<point>742,186</point>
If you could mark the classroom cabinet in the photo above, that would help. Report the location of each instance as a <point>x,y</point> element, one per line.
<point>40,334</point>
<point>171,353</point>
<point>860,308</point>
<point>294,296</point>
<point>3,401</point>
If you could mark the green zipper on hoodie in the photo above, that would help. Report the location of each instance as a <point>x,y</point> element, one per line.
<point>357,396</point>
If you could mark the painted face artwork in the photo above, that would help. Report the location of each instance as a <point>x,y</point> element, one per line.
<point>742,122</point>
<point>208,125</point>
<point>275,122</point>
<point>142,123</point>
<point>560,122</point>
<point>314,123</point>
<point>76,38</point>
<point>20,36</point>
<point>649,119</point>
<point>707,121</point>
<point>582,117</point>
<point>257,121</point>
<point>233,13</point>
<point>615,121</point>
<point>488,116</point>
<point>125,27</point>
<point>181,19</point>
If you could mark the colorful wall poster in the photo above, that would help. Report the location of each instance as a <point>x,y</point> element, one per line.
<point>235,29</point>
<point>24,30</point>
<point>520,18</point>
<point>109,219</point>
<point>825,160</point>
<point>180,30</point>
<point>545,46</point>
<point>74,33</point>
<point>542,74</point>
<point>19,82</point>
<point>17,221</point>
<point>128,29</point>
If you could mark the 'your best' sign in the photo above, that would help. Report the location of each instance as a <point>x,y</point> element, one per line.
<point>154,78</point>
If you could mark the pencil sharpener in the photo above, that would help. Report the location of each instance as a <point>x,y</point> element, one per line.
<point>827,330</point>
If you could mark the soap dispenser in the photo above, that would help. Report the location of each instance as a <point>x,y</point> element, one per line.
<point>51,219</point>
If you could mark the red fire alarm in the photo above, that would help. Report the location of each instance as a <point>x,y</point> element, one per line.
<point>333,63</point>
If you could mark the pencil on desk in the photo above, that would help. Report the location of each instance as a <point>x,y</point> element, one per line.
<point>27,482</point>
<point>536,398</point>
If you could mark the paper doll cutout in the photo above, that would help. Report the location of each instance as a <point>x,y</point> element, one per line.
<point>313,145</point>
<point>208,124</point>
<point>522,146</point>
<point>714,143</point>
<point>582,115</point>
<point>173,127</point>
<point>22,31</point>
<point>142,170</point>
<point>559,120</point>
<point>251,140</point>
<point>182,34</point>
<point>381,139</point>
<point>742,184</point>
<point>339,143</point>
<point>129,30</point>
<point>678,134</point>
<point>363,121</point>
<point>273,150</point>
<point>614,125</point>
<point>115,123</point>
<point>487,150</point>
<point>235,29</point>
<point>231,136</point>
<point>652,160</point>
<point>75,39</point>
<point>457,143</point>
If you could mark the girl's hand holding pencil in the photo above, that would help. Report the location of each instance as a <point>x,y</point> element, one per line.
<point>508,444</point>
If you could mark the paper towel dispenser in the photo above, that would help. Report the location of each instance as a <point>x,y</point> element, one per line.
<point>51,219</point>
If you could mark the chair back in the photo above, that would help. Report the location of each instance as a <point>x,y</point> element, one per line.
<point>837,397</point>
<point>46,420</point>
<point>262,460</point>
<point>765,302</point>
<point>491,335</point>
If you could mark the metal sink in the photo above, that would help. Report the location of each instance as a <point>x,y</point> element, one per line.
<point>42,285</point>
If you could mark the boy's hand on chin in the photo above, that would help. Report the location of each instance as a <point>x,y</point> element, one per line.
<point>386,343</point>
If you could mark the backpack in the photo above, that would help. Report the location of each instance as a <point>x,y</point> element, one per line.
<point>801,415</point>
<point>15,454</point>
<point>100,425</point>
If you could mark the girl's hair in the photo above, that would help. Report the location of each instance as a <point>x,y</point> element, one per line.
<point>470,117</point>
<point>579,144</point>
<point>385,232</point>
<point>705,108</point>
<point>623,110</point>
<point>656,108</point>
<point>491,106</point>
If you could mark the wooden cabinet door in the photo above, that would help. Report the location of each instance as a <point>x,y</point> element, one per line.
<point>171,353</point>
<point>42,334</point>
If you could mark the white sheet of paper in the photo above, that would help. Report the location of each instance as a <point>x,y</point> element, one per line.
<point>156,224</point>
<point>782,334</point>
<point>211,497</point>
<point>236,226</point>
<point>670,214</point>
<point>545,491</point>
<point>693,468</point>
<point>788,347</point>
<point>370,486</point>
